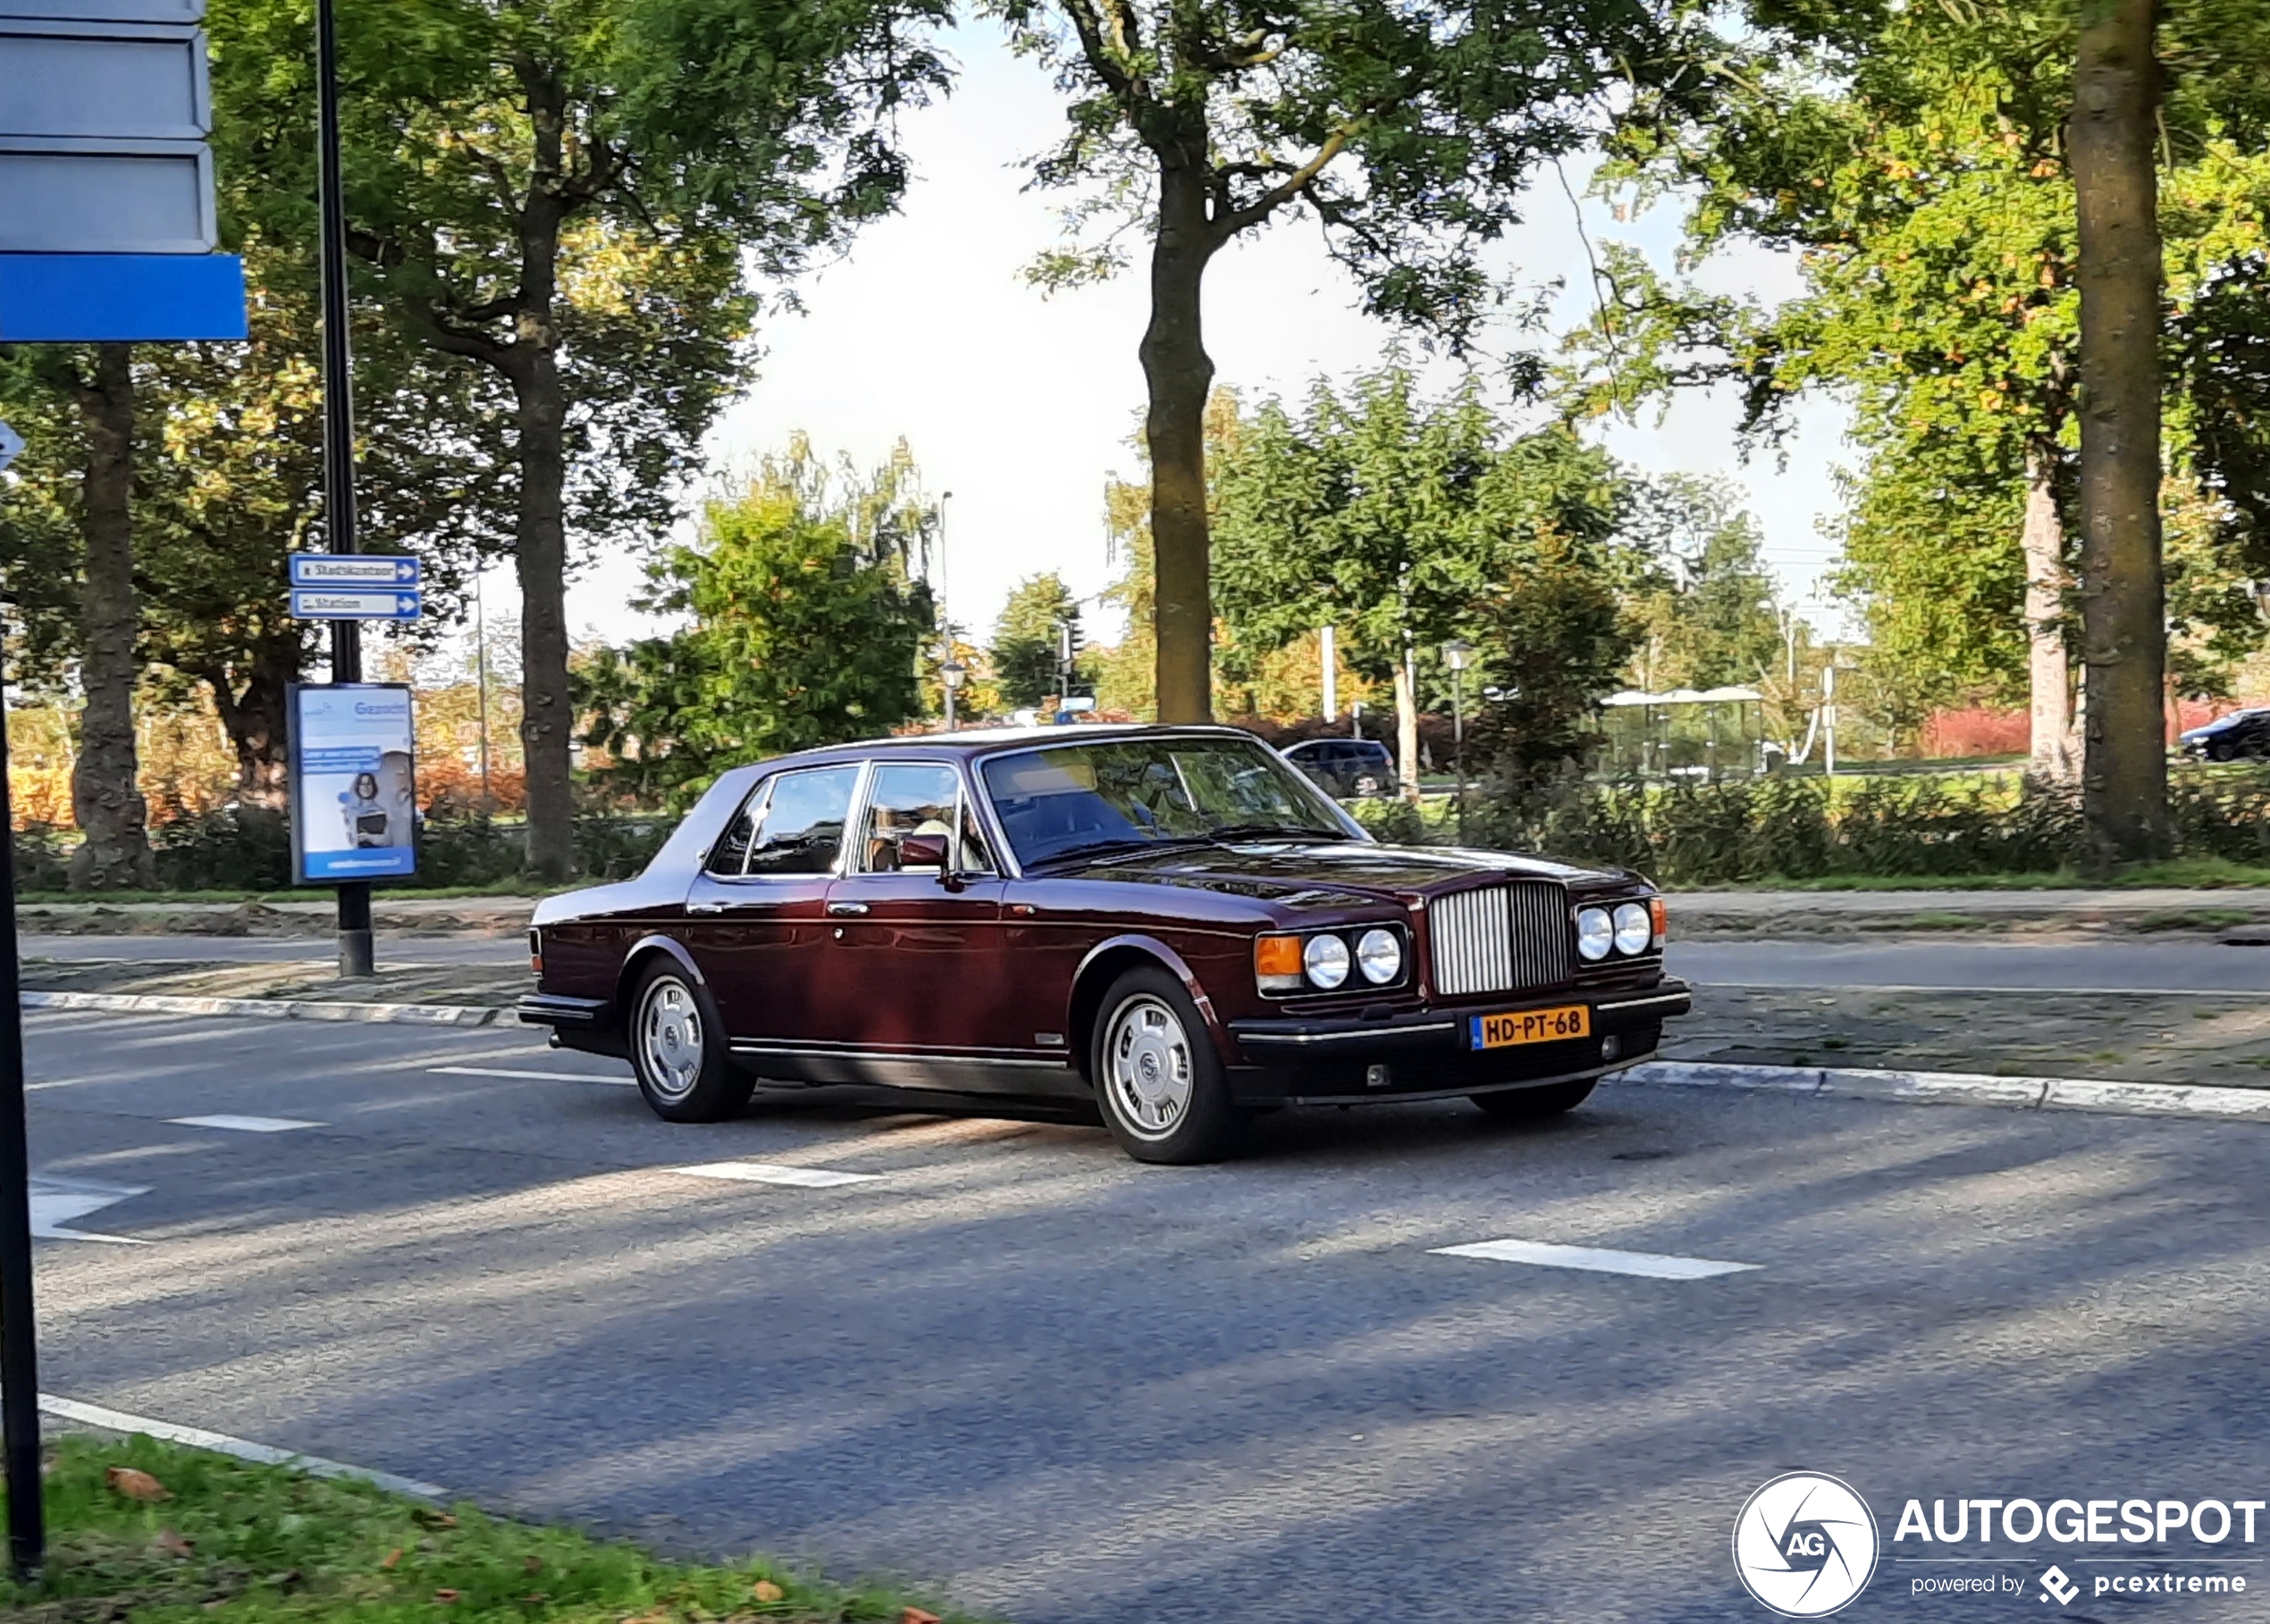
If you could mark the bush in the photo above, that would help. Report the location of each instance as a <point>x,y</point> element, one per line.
<point>43,857</point>
<point>1806,829</point>
<point>242,848</point>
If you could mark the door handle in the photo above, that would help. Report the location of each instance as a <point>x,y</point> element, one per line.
<point>705,907</point>
<point>847,910</point>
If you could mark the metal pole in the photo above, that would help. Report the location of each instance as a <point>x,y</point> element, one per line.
<point>355,951</point>
<point>945,684</point>
<point>481,676</point>
<point>1326,647</point>
<point>19,1344</point>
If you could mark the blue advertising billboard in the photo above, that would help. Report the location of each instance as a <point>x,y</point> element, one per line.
<point>354,806</point>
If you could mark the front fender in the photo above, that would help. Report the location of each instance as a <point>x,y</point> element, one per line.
<point>1107,959</point>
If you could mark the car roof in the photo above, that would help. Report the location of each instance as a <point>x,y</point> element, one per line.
<point>971,743</point>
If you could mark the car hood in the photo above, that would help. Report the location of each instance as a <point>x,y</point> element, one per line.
<point>1326,874</point>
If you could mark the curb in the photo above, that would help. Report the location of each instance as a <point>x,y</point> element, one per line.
<point>273,1009</point>
<point>1967,1089</point>
<point>241,1449</point>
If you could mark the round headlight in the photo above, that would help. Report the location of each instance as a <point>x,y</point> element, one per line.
<point>1595,933</point>
<point>1380,956</point>
<point>1325,959</point>
<point>1634,927</point>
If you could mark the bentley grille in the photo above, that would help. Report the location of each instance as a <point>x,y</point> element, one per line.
<point>1499,938</point>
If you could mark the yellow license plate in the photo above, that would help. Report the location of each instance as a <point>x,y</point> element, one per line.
<point>1530,1026</point>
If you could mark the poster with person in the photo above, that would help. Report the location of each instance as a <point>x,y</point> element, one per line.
<point>353,794</point>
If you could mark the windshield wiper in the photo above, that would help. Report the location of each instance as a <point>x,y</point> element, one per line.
<point>1120,846</point>
<point>1272,831</point>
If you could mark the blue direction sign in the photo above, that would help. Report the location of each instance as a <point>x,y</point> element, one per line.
<point>370,571</point>
<point>330,603</point>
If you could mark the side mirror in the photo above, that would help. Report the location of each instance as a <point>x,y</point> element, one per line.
<point>922,851</point>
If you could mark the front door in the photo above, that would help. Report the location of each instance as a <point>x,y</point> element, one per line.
<point>757,913</point>
<point>918,990</point>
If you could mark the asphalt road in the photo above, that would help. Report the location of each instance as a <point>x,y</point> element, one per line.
<point>1077,1390</point>
<point>2190,964</point>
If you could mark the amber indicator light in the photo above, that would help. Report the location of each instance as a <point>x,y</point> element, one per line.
<point>1276,955</point>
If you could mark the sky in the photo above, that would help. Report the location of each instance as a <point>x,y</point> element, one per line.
<point>1024,406</point>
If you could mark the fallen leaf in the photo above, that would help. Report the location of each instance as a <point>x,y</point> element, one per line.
<point>536,1597</point>
<point>173,1543</point>
<point>445,1596</point>
<point>136,1484</point>
<point>434,1520</point>
<point>390,1558</point>
<point>915,1615</point>
<point>533,1564</point>
<point>765,1590</point>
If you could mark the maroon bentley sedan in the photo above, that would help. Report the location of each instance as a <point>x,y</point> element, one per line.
<point>1169,921</point>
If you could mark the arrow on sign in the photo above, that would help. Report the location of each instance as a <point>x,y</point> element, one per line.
<point>11,446</point>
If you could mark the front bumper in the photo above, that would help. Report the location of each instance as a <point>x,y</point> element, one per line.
<point>1425,1054</point>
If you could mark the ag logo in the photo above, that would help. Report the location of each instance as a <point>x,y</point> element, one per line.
<point>1804,1545</point>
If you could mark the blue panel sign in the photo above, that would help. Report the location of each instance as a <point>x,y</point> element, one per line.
<point>371,571</point>
<point>319,603</point>
<point>99,298</point>
<point>353,791</point>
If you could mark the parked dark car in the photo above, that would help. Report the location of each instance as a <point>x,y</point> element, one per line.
<point>1168,920</point>
<point>1347,767</point>
<point>2228,737</point>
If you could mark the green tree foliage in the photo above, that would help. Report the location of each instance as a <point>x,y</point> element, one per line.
<point>1407,131</point>
<point>1708,618</point>
<point>1916,160</point>
<point>1027,647</point>
<point>807,621</point>
<point>564,196</point>
<point>1405,523</point>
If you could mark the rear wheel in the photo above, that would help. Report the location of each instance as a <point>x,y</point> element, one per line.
<point>1158,1076</point>
<point>1531,1104</point>
<point>678,1050</point>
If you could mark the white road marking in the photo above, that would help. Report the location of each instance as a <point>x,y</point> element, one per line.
<point>243,1124</point>
<point>1655,1265</point>
<point>770,1173</point>
<point>55,1202</point>
<point>498,1071</point>
<point>221,1443</point>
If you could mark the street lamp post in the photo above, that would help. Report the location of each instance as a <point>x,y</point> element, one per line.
<point>953,674</point>
<point>1458,654</point>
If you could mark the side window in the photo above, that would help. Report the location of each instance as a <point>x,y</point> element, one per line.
<point>908,799</point>
<point>803,827</point>
<point>730,856</point>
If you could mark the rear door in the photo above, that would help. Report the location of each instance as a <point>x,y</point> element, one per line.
<point>915,981</point>
<point>757,911</point>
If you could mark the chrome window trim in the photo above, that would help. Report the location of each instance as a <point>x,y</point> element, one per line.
<point>853,808</point>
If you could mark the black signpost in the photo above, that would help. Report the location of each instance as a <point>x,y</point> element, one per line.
<point>356,955</point>
<point>107,228</point>
<point>19,1348</point>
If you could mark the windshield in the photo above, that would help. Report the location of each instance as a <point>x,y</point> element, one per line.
<point>1137,792</point>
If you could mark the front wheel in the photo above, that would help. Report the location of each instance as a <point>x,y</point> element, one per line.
<point>1533,1105</point>
<point>679,1051</point>
<point>1157,1074</point>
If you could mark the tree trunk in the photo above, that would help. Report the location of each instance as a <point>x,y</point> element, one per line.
<point>541,542</point>
<point>255,721</point>
<point>2123,633</point>
<point>2056,753</point>
<point>1178,373</point>
<point>115,846</point>
<point>1407,748</point>
<point>547,712</point>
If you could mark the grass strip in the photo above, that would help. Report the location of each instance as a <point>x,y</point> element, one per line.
<point>215,1538</point>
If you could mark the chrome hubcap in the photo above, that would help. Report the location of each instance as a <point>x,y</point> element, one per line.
<point>1148,1057</point>
<point>669,1038</point>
